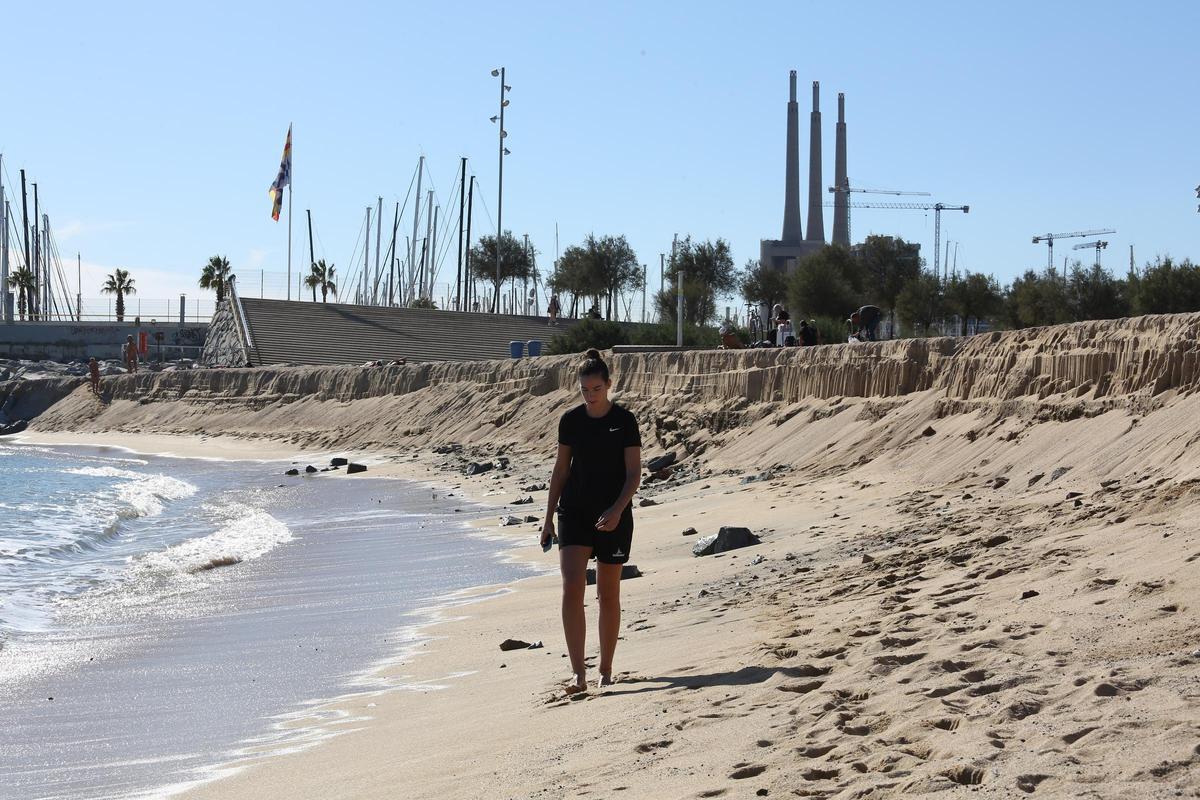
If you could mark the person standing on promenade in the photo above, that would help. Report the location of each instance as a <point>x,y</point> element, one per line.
<point>131,355</point>
<point>597,471</point>
<point>553,309</point>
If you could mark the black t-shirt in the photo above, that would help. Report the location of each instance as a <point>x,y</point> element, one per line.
<point>808,335</point>
<point>597,457</point>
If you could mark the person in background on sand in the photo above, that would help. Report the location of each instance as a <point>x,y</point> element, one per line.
<point>596,473</point>
<point>729,338</point>
<point>94,375</point>
<point>865,322</point>
<point>553,309</point>
<point>131,355</point>
<point>808,334</point>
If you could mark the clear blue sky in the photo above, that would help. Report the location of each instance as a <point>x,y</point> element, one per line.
<point>154,130</point>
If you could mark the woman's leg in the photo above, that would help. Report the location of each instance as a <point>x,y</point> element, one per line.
<point>608,587</point>
<point>572,562</point>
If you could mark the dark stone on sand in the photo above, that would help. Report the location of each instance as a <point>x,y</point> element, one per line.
<point>507,521</point>
<point>929,431</point>
<point>1058,473</point>
<point>534,487</point>
<point>1078,503</point>
<point>1073,495</point>
<point>999,481</point>
<point>690,531</point>
<point>765,475</point>
<point>866,559</point>
<point>627,571</point>
<point>310,469</point>
<point>1028,593</point>
<point>1035,479</point>
<point>728,538</point>
<point>532,518</point>
<point>338,461</point>
<point>292,471</point>
<point>351,469</point>
<point>995,540</point>
<point>478,467</point>
<point>13,427</point>
<point>1109,484</point>
<point>660,475</point>
<point>513,644</point>
<point>522,501</point>
<point>646,501</point>
<point>661,462</point>
<point>536,645</point>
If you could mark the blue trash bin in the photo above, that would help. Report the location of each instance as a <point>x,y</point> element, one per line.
<point>517,349</point>
<point>534,347</point>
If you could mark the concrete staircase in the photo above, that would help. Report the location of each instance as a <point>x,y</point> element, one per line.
<point>291,332</point>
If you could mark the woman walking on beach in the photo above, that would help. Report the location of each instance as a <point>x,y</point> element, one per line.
<point>596,473</point>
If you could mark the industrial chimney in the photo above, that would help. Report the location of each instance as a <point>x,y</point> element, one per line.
<point>841,199</point>
<point>792,233</point>
<point>816,221</point>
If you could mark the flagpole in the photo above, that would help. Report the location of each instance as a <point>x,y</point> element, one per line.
<point>290,170</point>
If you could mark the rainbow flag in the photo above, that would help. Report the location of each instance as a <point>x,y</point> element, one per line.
<point>284,178</point>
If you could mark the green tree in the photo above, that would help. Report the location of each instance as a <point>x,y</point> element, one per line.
<point>323,275</point>
<point>120,284</point>
<point>1036,299</point>
<point>601,267</point>
<point>762,284</point>
<point>1093,293</point>
<point>888,264</point>
<point>515,262</point>
<point>974,295</point>
<point>708,271</point>
<point>216,275</point>
<point>423,302</point>
<point>828,283</point>
<point>1165,287</point>
<point>920,303</point>
<point>25,283</point>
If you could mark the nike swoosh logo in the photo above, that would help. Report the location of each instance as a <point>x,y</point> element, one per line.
<point>613,430</point>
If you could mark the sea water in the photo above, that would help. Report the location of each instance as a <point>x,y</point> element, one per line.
<point>159,616</point>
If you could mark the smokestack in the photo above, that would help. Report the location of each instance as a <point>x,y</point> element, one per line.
<point>841,200</point>
<point>816,222</point>
<point>792,233</point>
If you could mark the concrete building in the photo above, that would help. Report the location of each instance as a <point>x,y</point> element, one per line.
<point>783,253</point>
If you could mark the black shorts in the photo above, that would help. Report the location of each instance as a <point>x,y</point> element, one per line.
<point>608,547</point>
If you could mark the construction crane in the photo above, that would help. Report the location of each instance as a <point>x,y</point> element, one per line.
<point>1099,245</point>
<point>845,189</point>
<point>936,208</point>
<point>1049,238</point>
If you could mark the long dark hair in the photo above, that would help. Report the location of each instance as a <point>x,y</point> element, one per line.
<point>594,365</point>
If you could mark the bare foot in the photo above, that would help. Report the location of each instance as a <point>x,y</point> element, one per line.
<point>579,684</point>
<point>606,679</point>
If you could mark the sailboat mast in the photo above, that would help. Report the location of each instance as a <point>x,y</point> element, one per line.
<point>378,239</point>
<point>433,251</point>
<point>462,204</point>
<point>412,248</point>
<point>366,276</point>
<point>5,311</point>
<point>425,251</point>
<point>467,265</point>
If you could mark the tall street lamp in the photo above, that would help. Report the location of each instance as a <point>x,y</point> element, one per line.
<point>504,89</point>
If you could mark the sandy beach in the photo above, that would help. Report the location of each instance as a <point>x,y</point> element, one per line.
<point>976,573</point>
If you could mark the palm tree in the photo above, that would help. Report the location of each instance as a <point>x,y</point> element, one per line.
<point>321,274</point>
<point>313,279</point>
<point>216,275</point>
<point>120,284</point>
<point>25,283</point>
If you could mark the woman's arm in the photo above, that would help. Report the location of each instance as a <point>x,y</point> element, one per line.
<point>558,479</point>
<point>633,478</point>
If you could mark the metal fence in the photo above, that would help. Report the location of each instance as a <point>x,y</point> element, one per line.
<point>143,309</point>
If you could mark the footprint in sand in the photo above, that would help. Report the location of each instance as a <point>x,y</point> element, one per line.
<point>966,775</point>
<point>1029,783</point>
<point>747,771</point>
<point>650,747</point>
